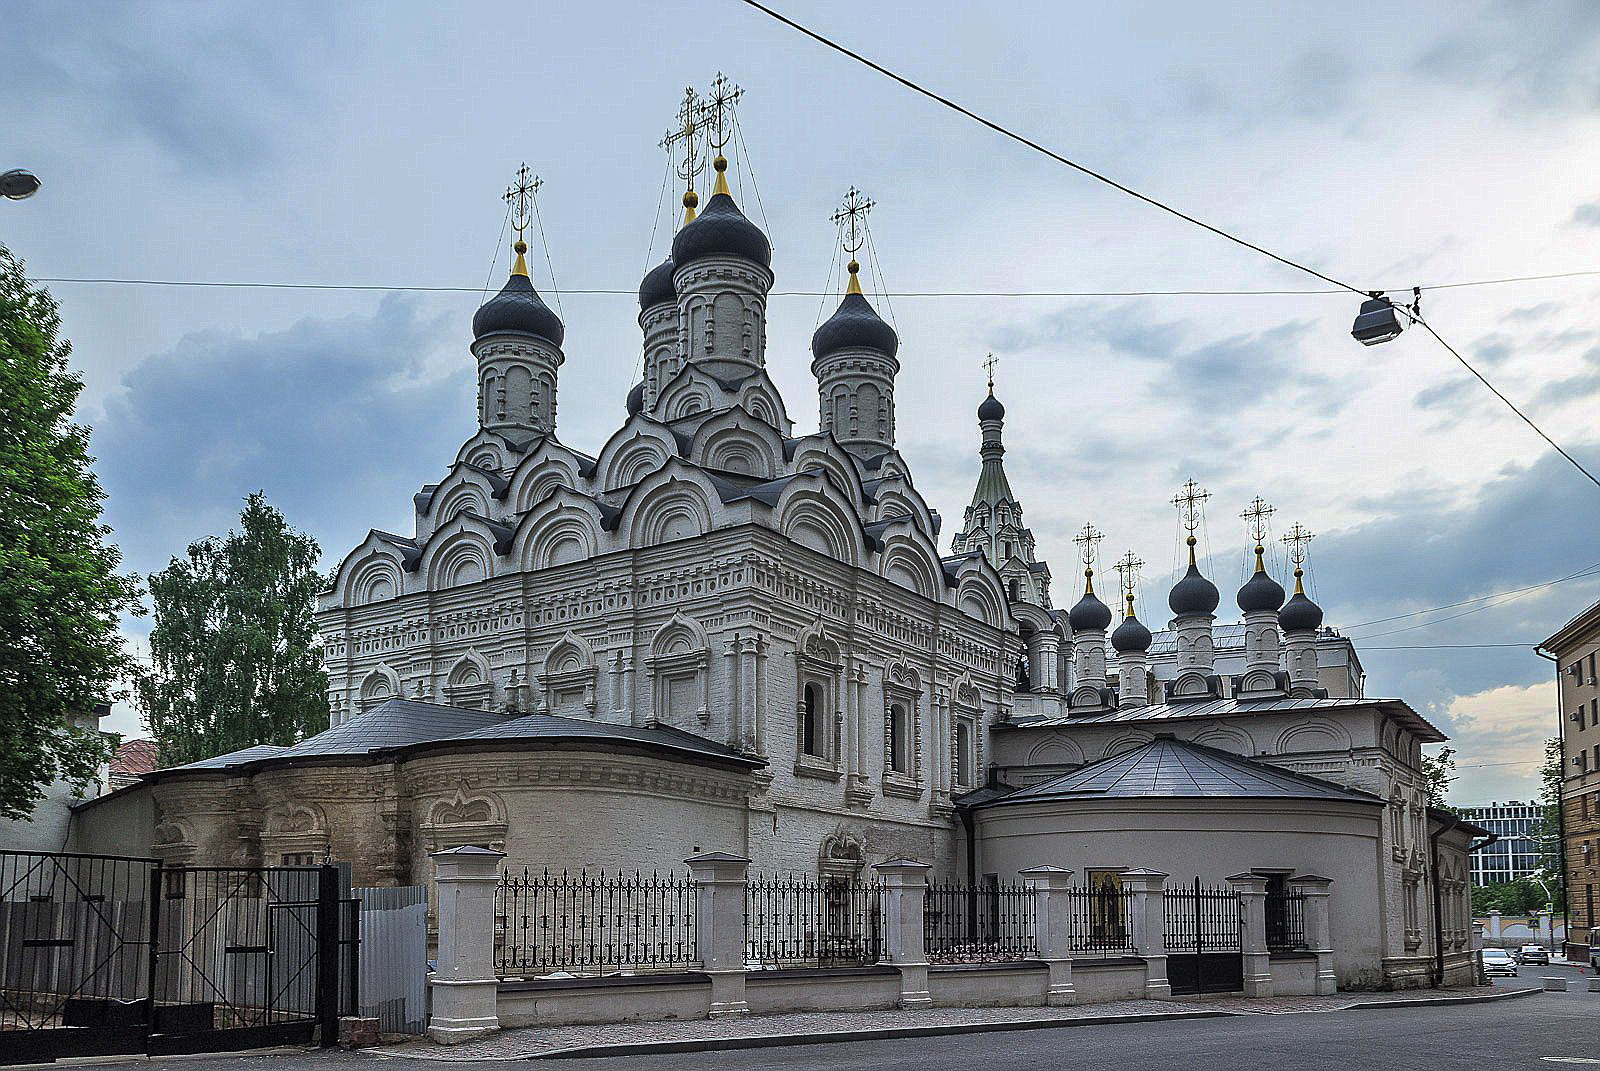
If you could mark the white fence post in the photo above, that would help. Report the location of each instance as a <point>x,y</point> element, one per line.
<point>1149,923</point>
<point>1252,890</point>
<point>465,989</point>
<point>719,894</point>
<point>905,901</point>
<point>1319,929</point>
<point>1052,928</point>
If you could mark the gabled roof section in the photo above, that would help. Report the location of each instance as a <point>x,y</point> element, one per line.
<point>1176,769</point>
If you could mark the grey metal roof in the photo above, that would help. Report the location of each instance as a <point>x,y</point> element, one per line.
<point>554,727</point>
<point>398,725</point>
<point>1179,769</point>
<point>1214,708</point>
<point>217,762</point>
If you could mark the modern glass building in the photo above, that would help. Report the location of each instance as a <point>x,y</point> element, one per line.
<point>1516,854</point>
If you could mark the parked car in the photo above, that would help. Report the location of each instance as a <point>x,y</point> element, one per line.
<point>1499,961</point>
<point>1534,954</point>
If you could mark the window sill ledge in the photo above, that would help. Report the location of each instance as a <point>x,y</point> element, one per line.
<point>906,788</point>
<point>817,768</point>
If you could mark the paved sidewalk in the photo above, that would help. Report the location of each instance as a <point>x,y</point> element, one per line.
<point>693,1035</point>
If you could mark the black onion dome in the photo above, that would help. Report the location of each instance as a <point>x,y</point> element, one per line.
<point>657,288</point>
<point>991,409</point>
<point>1089,613</point>
<point>1131,635</point>
<point>636,399</point>
<point>721,230</point>
<point>1260,592</point>
<point>1300,614</point>
<point>518,307</point>
<point>1194,594</point>
<point>856,325</point>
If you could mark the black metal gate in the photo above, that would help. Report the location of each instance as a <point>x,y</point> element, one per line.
<point>1202,937</point>
<point>104,955</point>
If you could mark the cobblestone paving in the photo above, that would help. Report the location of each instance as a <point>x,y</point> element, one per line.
<point>523,1043</point>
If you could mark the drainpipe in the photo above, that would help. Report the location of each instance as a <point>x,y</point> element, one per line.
<point>970,822</point>
<point>1561,820</point>
<point>1438,907</point>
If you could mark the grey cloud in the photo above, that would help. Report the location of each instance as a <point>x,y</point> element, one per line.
<point>1533,313</point>
<point>1578,387</point>
<point>179,78</point>
<point>1587,215</point>
<point>337,420</point>
<point>1550,63</point>
<point>1444,395</point>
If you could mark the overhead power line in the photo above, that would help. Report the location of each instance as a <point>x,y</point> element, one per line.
<point>1588,570</point>
<point>1021,139</point>
<point>631,291</point>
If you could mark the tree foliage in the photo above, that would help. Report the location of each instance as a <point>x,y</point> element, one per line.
<point>234,652</point>
<point>61,597</point>
<point>1440,770</point>
<point>1547,831</point>
<point>1521,897</point>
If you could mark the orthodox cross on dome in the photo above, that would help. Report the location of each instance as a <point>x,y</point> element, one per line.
<point>851,219</point>
<point>519,197</point>
<point>1128,567</point>
<point>1088,540</point>
<point>717,109</point>
<point>1191,502</point>
<point>1255,519</point>
<point>683,148</point>
<point>988,366</point>
<point>1297,539</point>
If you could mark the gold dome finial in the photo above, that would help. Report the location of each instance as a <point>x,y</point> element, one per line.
<point>1297,540</point>
<point>1255,518</point>
<point>1191,500</point>
<point>521,266</point>
<point>720,166</point>
<point>1128,567</point>
<point>851,219</point>
<point>854,268</point>
<point>691,201</point>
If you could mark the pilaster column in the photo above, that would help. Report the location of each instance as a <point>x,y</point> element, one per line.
<point>732,663</point>
<point>465,988</point>
<point>760,695</point>
<point>1148,920</point>
<point>1052,928</point>
<point>905,897</point>
<point>719,881</point>
<point>1319,929</point>
<point>1252,890</point>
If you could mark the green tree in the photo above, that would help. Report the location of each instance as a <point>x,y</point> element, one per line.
<point>234,652</point>
<point>1440,771</point>
<point>1546,832</point>
<point>61,597</point>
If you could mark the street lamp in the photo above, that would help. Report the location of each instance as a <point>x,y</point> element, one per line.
<point>17,184</point>
<point>1379,318</point>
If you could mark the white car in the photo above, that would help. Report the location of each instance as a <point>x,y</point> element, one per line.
<point>1499,961</point>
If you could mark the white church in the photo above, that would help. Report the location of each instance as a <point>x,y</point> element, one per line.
<point>733,628</point>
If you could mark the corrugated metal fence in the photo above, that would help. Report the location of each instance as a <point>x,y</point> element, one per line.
<point>394,957</point>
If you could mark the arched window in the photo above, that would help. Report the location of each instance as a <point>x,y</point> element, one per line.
<point>1015,590</point>
<point>898,734</point>
<point>964,749</point>
<point>1023,684</point>
<point>1005,551</point>
<point>810,738</point>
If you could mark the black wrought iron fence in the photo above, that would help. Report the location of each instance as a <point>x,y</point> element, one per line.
<point>593,923</point>
<point>1200,919</point>
<point>1286,922</point>
<point>811,922</point>
<point>1100,920</point>
<point>979,923</point>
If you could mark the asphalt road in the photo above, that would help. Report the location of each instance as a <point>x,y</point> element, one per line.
<point>1547,1031</point>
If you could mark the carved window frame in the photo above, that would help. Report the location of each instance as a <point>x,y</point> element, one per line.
<point>906,695</point>
<point>815,665</point>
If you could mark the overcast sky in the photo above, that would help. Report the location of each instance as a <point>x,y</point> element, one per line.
<point>369,143</point>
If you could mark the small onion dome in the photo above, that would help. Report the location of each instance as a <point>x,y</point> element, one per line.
<point>721,230</point>
<point>854,326</point>
<point>518,308</point>
<point>1194,594</point>
<point>1131,635</point>
<point>1260,592</point>
<point>636,399</point>
<point>1089,613</point>
<point>657,288</point>
<point>991,409</point>
<point>1300,614</point>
